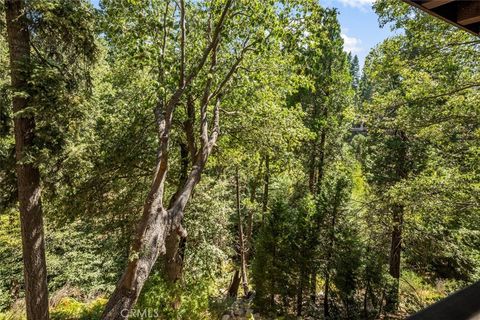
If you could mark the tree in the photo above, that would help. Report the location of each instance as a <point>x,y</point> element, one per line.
<point>28,175</point>
<point>326,103</point>
<point>230,39</point>
<point>37,86</point>
<point>400,153</point>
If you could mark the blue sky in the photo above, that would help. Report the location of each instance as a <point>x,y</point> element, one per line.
<point>360,29</point>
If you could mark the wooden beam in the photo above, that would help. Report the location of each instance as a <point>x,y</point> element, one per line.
<point>435,3</point>
<point>472,28</point>
<point>468,13</point>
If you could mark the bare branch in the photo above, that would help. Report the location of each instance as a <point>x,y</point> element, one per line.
<point>216,125</point>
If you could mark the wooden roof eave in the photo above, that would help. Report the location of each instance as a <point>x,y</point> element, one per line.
<point>424,6</point>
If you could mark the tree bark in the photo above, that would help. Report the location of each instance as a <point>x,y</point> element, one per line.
<point>175,244</point>
<point>326,296</point>
<point>28,175</point>
<point>365,300</point>
<point>175,247</point>
<point>396,243</point>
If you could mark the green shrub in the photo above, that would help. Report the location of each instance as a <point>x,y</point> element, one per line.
<point>416,293</point>
<point>69,308</point>
<point>158,298</point>
<point>10,315</point>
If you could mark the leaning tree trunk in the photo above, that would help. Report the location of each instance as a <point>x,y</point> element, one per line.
<point>28,175</point>
<point>154,227</point>
<point>149,243</point>
<point>156,224</point>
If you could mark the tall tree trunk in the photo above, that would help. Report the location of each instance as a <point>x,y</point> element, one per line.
<point>266,186</point>
<point>28,175</point>
<point>253,196</point>
<point>156,224</point>
<point>243,266</point>
<point>396,243</point>
<point>316,189</point>
<point>397,225</point>
<point>395,257</point>
<point>365,300</point>
<point>331,248</point>
<point>148,244</point>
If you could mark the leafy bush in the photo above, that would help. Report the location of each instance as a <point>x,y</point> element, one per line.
<point>11,270</point>
<point>416,293</point>
<point>159,297</point>
<point>69,308</point>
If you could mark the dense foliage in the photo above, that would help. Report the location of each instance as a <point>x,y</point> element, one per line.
<point>295,213</point>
